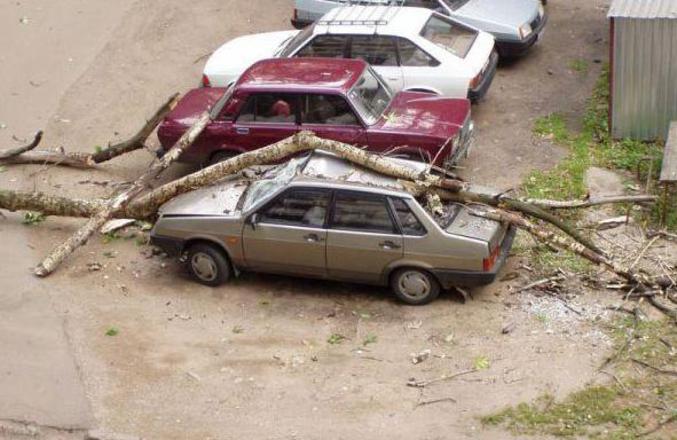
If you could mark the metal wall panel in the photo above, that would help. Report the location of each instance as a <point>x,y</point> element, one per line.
<point>644,8</point>
<point>644,75</point>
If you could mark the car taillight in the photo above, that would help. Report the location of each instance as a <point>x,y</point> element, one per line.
<point>488,263</point>
<point>476,81</point>
<point>205,81</point>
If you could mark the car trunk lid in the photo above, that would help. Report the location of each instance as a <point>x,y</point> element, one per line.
<point>191,106</point>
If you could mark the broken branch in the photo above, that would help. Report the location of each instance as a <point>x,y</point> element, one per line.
<point>138,140</point>
<point>117,203</point>
<point>6,154</point>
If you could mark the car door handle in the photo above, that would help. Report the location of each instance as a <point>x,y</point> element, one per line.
<point>242,130</point>
<point>388,245</point>
<point>313,238</point>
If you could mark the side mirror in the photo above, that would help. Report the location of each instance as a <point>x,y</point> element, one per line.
<point>253,220</point>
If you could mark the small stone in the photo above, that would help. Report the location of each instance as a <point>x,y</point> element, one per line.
<point>420,357</point>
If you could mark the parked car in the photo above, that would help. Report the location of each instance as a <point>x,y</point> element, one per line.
<point>320,216</point>
<point>515,24</point>
<point>411,48</point>
<point>339,99</point>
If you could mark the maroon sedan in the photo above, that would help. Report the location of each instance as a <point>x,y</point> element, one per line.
<point>343,100</point>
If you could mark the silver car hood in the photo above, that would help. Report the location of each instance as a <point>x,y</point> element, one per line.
<point>498,15</point>
<point>219,199</point>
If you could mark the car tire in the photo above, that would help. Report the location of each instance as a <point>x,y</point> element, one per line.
<point>414,286</point>
<point>207,264</point>
<point>221,156</point>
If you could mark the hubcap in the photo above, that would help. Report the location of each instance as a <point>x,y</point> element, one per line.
<point>414,284</point>
<point>204,266</point>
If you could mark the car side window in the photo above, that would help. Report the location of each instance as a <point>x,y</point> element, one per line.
<point>325,46</point>
<point>297,207</point>
<point>328,109</point>
<point>362,212</point>
<point>269,107</point>
<point>412,55</point>
<point>376,50</point>
<point>408,221</point>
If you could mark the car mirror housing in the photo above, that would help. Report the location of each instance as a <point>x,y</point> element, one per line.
<point>254,219</point>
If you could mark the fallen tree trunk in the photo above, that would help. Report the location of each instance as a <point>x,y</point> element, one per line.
<point>138,140</point>
<point>6,154</point>
<point>593,201</point>
<point>49,204</point>
<point>119,202</point>
<point>303,141</point>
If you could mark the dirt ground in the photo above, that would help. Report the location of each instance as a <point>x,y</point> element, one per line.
<point>251,359</point>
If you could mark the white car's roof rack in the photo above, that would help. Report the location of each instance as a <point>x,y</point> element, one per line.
<point>367,15</point>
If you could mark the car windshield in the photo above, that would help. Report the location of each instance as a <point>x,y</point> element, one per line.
<point>455,4</point>
<point>370,96</point>
<point>285,51</point>
<point>451,36</point>
<point>272,181</point>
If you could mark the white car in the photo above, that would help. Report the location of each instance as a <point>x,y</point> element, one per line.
<point>414,49</point>
<point>515,24</point>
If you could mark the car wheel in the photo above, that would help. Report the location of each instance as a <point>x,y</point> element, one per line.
<point>415,286</point>
<point>207,264</point>
<point>221,156</point>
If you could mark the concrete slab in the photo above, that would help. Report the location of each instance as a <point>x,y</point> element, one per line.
<point>39,379</point>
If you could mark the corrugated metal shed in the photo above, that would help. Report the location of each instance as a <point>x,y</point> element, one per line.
<point>643,68</point>
<point>643,9</point>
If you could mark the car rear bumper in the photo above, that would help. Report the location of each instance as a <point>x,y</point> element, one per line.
<point>514,49</point>
<point>478,92</point>
<point>451,278</point>
<point>171,246</point>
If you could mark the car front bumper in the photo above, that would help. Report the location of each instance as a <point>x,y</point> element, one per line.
<point>451,278</point>
<point>171,246</point>
<point>462,149</point>
<point>474,95</point>
<point>514,49</point>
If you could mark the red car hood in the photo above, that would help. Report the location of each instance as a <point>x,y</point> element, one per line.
<point>422,113</point>
<point>191,106</point>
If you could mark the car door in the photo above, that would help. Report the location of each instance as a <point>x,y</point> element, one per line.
<point>265,118</point>
<point>381,53</point>
<point>330,116</point>
<point>419,69</point>
<point>363,238</point>
<point>288,234</point>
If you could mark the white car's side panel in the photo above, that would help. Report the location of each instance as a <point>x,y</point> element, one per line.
<point>230,60</point>
<point>451,77</point>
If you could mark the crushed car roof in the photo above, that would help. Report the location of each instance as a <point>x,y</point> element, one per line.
<point>327,167</point>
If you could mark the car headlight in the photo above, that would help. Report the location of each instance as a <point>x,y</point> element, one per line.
<point>525,30</point>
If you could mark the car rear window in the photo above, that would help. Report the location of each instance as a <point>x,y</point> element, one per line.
<point>452,36</point>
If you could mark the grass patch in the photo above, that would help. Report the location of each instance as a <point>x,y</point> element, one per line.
<point>637,403</point>
<point>33,218</point>
<point>579,65</point>
<point>593,146</point>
